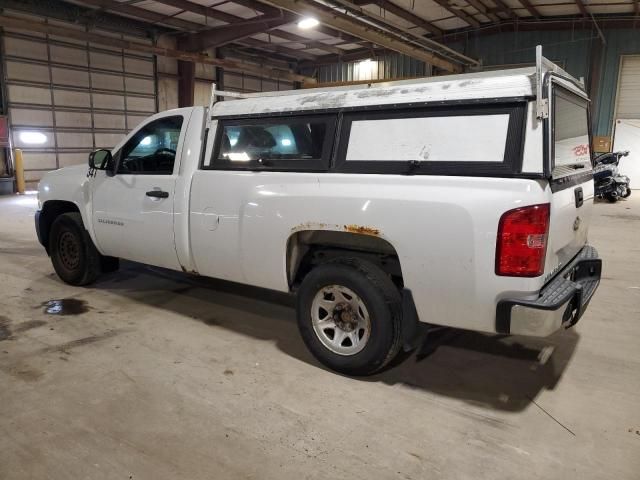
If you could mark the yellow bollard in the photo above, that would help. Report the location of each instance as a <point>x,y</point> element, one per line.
<point>19,170</point>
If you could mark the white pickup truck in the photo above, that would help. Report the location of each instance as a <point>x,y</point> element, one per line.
<point>461,201</point>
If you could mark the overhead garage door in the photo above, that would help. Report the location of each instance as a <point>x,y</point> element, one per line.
<point>627,124</point>
<point>628,99</point>
<point>68,97</point>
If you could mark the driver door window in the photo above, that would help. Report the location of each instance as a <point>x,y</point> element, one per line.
<point>152,150</point>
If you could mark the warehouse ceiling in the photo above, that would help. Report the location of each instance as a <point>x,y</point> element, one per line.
<point>347,29</point>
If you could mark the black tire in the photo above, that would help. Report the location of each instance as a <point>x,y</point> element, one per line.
<point>383,303</point>
<point>73,254</point>
<point>109,264</point>
<point>611,198</point>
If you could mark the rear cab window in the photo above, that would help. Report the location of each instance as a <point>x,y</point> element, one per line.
<point>571,152</point>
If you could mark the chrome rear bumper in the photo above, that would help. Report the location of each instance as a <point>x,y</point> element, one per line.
<point>561,302</point>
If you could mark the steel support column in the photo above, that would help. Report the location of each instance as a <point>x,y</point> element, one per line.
<point>186,83</point>
<point>219,71</point>
<point>593,82</point>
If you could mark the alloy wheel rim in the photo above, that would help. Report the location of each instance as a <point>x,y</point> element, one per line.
<point>340,320</point>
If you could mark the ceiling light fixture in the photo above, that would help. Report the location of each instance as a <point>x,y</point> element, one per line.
<point>308,22</point>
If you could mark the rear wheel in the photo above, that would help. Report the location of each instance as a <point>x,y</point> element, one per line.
<point>611,198</point>
<point>349,315</point>
<point>73,254</point>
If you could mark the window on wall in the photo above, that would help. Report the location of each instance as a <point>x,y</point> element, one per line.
<point>277,143</point>
<point>572,151</point>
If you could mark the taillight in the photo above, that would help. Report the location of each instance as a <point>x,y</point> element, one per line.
<point>522,241</point>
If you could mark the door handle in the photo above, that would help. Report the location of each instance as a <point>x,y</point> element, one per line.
<point>157,194</point>
<point>579,197</point>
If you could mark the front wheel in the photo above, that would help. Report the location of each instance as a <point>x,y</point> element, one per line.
<point>349,316</point>
<point>611,198</point>
<point>73,254</point>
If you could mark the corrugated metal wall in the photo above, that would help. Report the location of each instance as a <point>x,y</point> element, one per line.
<point>619,42</point>
<point>574,49</point>
<point>67,97</point>
<point>571,49</point>
<point>389,66</point>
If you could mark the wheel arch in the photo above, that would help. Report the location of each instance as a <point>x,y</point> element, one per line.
<point>306,248</point>
<point>52,209</point>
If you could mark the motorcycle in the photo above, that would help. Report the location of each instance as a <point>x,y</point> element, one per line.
<point>609,184</point>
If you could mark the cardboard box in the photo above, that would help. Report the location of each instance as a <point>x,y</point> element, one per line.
<point>601,144</point>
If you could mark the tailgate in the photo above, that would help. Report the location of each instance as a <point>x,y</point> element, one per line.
<point>571,179</point>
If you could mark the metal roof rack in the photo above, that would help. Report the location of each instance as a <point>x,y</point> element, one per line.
<point>544,69</point>
<point>215,93</point>
<point>222,93</point>
<point>544,66</point>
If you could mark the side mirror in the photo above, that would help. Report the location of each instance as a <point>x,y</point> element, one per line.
<point>101,160</point>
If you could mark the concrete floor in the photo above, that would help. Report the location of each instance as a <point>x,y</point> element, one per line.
<point>169,377</point>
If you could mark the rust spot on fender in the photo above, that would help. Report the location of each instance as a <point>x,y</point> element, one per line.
<point>362,230</point>
<point>352,228</point>
<point>311,226</point>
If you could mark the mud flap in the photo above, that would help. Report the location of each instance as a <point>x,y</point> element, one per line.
<point>411,331</point>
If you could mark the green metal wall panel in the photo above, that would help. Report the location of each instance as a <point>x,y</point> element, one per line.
<point>619,42</point>
<point>571,49</point>
<point>388,66</point>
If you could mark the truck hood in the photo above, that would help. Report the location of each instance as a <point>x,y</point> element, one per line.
<point>68,183</point>
<point>71,170</point>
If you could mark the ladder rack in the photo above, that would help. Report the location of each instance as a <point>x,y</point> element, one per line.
<point>544,66</point>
